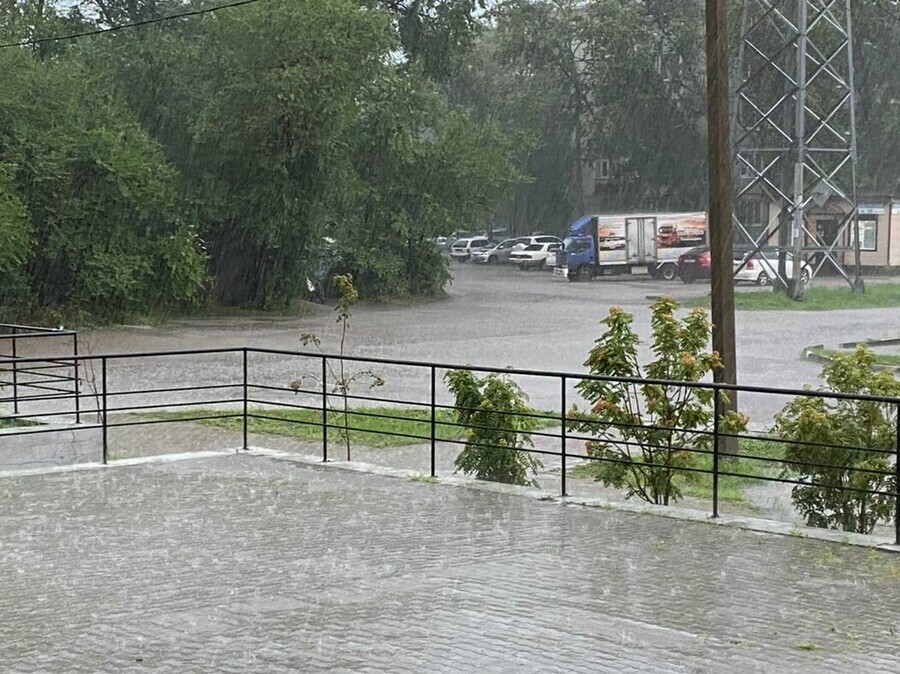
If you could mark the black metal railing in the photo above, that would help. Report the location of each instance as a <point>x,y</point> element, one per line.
<point>250,385</point>
<point>55,375</point>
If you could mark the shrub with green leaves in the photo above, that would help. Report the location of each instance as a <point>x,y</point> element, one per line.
<point>496,414</point>
<point>645,434</point>
<point>840,445</point>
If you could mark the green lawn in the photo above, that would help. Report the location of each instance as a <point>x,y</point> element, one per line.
<point>731,488</point>
<point>370,426</point>
<point>877,295</point>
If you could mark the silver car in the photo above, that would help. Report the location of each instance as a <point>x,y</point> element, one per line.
<point>496,254</point>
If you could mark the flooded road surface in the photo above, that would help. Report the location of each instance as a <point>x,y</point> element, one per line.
<point>499,317</point>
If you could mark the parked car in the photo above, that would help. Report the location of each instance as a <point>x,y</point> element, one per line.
<point>495,254</point>
<point>462,249</point>
<point>523,241</point>
<point>533,256</point>
<point>694,264</point>
<point>763,270</point>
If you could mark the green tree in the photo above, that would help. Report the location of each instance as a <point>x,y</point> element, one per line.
<point>434,33</point>
<point>105,232</point>
<point>646,434</point>
<point>841,449</point>
<point>15,227</point>
<point>625,91</point>
<point>420,169</point>
<point>499,423</point>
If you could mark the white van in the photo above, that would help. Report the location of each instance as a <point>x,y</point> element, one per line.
<point>462,249</point>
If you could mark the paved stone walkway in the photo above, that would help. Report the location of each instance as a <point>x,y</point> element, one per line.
<point>244,563</point>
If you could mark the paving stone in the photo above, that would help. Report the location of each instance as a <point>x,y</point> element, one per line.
<point>248,563</point>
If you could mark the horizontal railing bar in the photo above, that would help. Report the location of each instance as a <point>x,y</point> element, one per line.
<point>291,406</point>
<point>59,395</point>
<point>34,332</point>
<point>148,422</point>
<point>174,389</point>
<point>137,409</point>
<point>573,376</point>
<point>46,415</point>
<point>43,387</point>
<point>22,430</point>
<point>35,366</point>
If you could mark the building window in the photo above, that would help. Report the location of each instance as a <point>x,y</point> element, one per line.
<point>601,170</point>
<point>868,234</point>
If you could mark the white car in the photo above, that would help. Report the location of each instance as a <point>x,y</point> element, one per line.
<point>533,256</point>
<point>764,270</point>
<point>496,253</point>
<point>524,241</point>
<point>462,249</point>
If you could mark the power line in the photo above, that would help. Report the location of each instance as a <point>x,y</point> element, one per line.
<point>885,9</point>
<point>136,24</point>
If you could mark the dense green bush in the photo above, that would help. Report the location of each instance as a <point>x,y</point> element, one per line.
<point>499,422</point>
<point>834,442</point>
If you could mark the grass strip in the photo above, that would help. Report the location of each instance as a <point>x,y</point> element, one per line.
<point>12,422</point>
<point>369,426</point>
<point>880,358</point>
<point>877,296</point>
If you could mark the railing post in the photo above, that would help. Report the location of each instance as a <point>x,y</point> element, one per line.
<point>433,424</point>
<point>245,424</point>
<point>15,376</point>
<point>563,434</point>
<point>324,409</point>
<point>717,411</point>
<point>77,379</point>
<point>897,478</point>
<point>104,410</point>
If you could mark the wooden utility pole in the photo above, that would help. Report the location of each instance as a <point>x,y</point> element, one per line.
<point>721,238</point>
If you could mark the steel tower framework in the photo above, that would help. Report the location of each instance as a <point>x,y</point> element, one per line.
<point>794,133</point>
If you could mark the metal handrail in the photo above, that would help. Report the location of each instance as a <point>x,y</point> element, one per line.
<point>240,391</point>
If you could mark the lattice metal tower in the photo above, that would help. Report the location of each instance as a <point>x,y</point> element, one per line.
<point>794,129</point>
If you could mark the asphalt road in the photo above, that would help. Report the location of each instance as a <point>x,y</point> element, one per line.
<point>492,316</point>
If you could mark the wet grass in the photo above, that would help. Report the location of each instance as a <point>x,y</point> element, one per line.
<point>877,295</point>
<point>731,487</point>
<point>880,358</point>
<point>368,426</point>
<point>9,422</point>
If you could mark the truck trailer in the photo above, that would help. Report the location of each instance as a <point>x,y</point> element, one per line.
<point>637,243</point>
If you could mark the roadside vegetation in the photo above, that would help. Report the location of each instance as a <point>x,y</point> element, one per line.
<point>877,295</point>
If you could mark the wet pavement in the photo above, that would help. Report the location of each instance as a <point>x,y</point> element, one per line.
<point>252,564</point>
<point>493,316</point>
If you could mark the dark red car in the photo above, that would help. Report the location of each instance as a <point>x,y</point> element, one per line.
<point>694,264</point>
